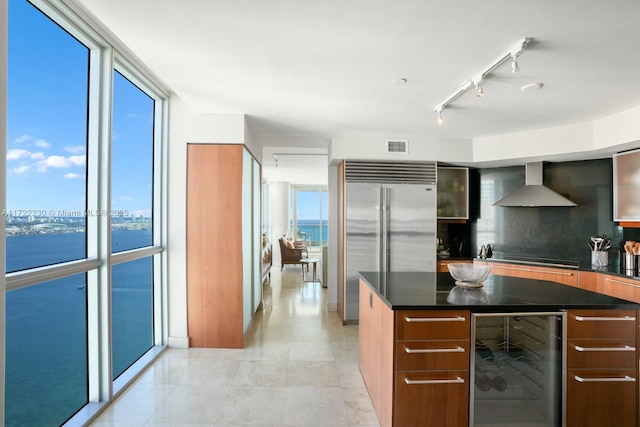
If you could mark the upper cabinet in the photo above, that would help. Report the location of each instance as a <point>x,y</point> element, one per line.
<point>453,193</point>
<point>626,186</point>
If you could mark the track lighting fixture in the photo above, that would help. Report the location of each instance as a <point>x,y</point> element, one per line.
<point>512,54</point>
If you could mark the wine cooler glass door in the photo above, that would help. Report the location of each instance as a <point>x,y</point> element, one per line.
<point>516,369</point>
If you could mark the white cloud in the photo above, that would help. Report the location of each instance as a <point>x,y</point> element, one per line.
<point>71,175</point>
<point>78,160</point>
<point>19,153</point>
<point>20,169</point>
<point>42,143</point>
<point>60,162</point>
<point>126,198</point>
<point>75,149</point>
<point>22,138</point>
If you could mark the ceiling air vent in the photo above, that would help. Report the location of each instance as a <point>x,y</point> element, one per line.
<point>397,146</point>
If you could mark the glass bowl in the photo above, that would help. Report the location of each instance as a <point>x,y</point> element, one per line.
<point>468,274</point>
<point>461,295</point>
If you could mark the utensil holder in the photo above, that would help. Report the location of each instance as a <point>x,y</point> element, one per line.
<point>599,258</point>
<point>630,263</point>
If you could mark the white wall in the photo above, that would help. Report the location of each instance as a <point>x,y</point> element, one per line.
<point>561,140</point>
<point>186,127</point>
<point>373,147</point>
<point>599,138</point>
<point>278,216</point>
<point>620,130</point>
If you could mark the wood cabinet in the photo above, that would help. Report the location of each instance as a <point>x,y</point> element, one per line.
<point>223,244</point>
<point>376,343</point>
<point>559,275</point>
<point>602,360</point>
<point>590,280</point>
<point>432,368</point>
<point>441,264</point>
<point>621,287</point>
<point>432,398</point>
<point>453,193</point>
<point>415,364</point>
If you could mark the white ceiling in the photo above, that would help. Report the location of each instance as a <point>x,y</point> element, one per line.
<point>310,68</point>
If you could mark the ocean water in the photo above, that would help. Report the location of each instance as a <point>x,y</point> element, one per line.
<point>46,326</point>
<point>314,231</point>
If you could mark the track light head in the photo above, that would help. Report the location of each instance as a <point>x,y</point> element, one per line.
<point>479,91</point>
<point>514,65</point>
<point>440,119</point>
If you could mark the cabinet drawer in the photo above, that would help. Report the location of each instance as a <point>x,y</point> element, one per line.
<point>628,289</point>
<point>594,354</point>
<point>605,324</point>
<point>601,398</point>
<point>432,399</point>
<point>559,275</point>
<point>432,324</point>
<point>432,355</point>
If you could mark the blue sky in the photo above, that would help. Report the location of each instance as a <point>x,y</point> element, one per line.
<point>47,122</point>
<point>308,205</point>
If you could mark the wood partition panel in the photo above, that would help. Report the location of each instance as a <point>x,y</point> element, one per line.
<point>214,245</point>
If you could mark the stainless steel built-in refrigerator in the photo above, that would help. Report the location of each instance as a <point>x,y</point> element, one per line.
<point>390,224</point>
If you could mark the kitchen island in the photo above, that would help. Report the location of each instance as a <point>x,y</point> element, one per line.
<point>421,369</point>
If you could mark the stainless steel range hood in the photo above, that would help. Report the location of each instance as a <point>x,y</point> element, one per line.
<point>534,193</point>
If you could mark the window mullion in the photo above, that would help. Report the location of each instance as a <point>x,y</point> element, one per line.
<point>160,208</point>
<point>99,226</point>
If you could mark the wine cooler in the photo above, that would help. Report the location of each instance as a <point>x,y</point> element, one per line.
<point>517,367</point>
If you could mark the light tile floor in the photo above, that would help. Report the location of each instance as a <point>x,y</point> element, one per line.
<point>299,368</point>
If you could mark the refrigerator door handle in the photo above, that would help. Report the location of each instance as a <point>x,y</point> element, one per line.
<point>387,230</point>
<point>381,241</point>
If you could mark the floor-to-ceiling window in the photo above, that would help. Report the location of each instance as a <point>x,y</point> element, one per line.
<point>309,214</point>
<point>83,218</point>
<point>131,225</point>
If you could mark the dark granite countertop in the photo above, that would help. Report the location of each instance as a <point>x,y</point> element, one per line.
<point>437,291</point>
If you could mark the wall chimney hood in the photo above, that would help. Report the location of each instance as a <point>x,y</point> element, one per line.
<point>533,193</point>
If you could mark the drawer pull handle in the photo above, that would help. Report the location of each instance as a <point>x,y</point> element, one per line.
<point>458,380</point>
<point>535,270</point>
<point>621,283</point>
<point>625,348</point>
<point>626,378</point>
<point>605,319</point>
<point>434,319</point>
<point>434,350</point>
